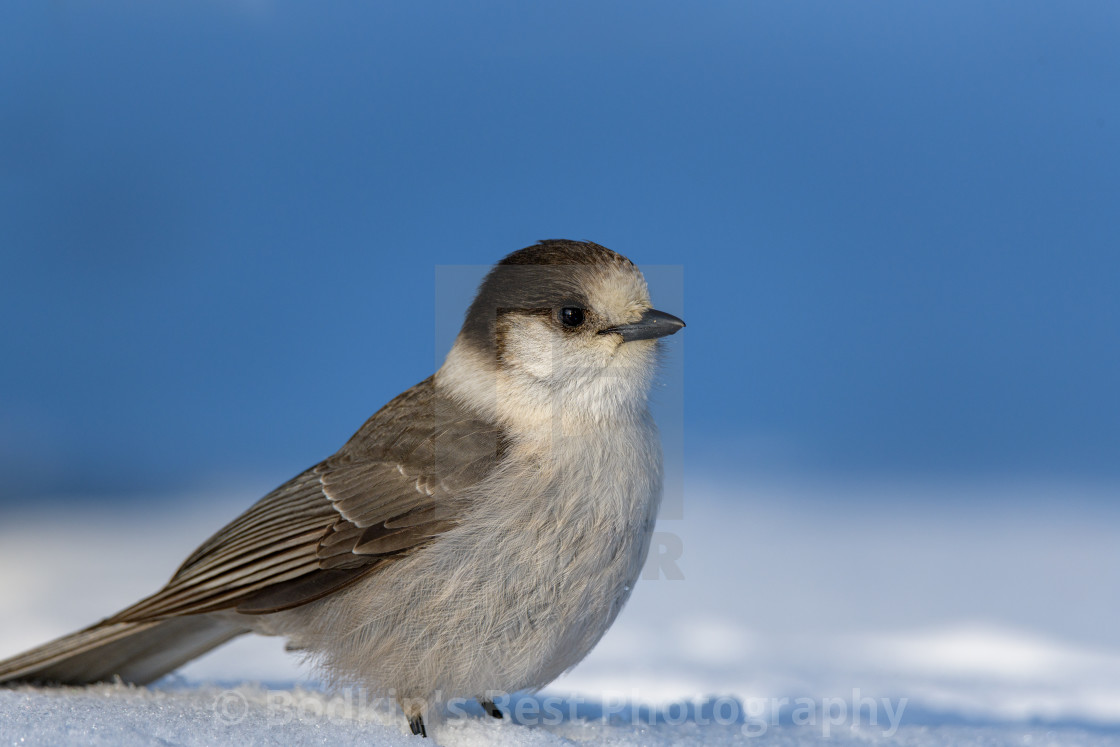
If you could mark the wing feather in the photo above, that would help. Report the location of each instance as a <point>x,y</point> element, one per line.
<point>399,482</point>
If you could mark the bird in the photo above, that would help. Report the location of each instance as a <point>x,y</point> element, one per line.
<point>478,534</point>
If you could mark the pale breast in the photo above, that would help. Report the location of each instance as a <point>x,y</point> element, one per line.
<point>580,534</point>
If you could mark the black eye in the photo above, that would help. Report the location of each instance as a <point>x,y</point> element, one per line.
<point>570,316</point>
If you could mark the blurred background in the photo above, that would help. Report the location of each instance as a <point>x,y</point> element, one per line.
<point>891,227</point>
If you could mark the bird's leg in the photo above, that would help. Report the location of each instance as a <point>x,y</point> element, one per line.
<point>489,707</point>
<point>414,711</point>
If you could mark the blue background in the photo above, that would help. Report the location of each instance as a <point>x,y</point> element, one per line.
<point>897,223</point>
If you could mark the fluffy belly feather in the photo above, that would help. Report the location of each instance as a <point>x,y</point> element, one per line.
<point>510,599</point>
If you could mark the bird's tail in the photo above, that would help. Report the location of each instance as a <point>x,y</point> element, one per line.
<point>136,652</point>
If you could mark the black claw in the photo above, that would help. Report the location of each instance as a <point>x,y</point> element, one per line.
<point>489,707</point>
<point>416,723</point>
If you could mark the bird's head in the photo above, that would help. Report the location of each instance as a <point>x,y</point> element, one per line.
<point>562,328</point>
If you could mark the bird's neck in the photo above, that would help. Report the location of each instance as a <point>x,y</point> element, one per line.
<point>529,408</point>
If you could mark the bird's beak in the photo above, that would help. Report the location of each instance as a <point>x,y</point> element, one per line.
<point>652,325</point>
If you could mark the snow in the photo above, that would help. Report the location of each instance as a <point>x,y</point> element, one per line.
<point>251,715</point>
<point>964,614</point>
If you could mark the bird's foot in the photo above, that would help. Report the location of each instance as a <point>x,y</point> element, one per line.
<point>416,723</point>
<point>489,707</point>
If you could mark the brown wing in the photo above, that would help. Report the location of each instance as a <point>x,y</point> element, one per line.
<point>398,483</point>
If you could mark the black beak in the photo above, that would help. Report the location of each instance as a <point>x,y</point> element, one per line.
<point>652,325</point>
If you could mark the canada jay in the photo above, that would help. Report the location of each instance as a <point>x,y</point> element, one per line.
<point>479,533</point>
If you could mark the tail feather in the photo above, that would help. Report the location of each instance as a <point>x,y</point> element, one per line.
<point>136,652</point>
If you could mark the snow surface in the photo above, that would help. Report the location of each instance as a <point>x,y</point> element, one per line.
<point>952,614</point>
<point>117,715</point>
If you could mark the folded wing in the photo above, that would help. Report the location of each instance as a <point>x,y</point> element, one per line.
<point>402,480</point>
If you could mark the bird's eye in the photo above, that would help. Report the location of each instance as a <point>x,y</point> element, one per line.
<point>571,316</point>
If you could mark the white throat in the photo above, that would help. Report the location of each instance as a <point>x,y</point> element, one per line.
<point>529,404</point>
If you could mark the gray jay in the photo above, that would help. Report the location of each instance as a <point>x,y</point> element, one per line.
<point>478,534</point>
